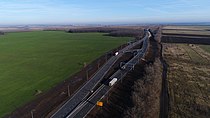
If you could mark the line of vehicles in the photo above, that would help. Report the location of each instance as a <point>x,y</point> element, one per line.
<point>124,68</point>
<point>114,80</point>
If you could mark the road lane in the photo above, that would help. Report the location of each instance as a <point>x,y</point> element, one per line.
<point>84,91</point>
<point>87,105</point>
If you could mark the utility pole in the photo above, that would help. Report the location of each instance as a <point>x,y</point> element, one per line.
<point>98,64</point>
<point>121,76</point>
<point>106,57</point>
<point>68,91</point>
<point>107,100</point>
<point>32,113</point>
<point>87,75</point>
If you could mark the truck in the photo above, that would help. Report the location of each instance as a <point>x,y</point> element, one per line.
<point>113,81</point>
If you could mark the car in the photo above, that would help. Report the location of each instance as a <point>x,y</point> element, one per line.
<point>122,68</point>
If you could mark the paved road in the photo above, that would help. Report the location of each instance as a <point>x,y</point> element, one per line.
<point>87,105</point>
<point>85,90</point>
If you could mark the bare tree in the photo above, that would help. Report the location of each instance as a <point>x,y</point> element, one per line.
<point>146,93</point>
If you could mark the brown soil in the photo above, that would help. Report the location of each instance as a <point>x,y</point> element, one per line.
<point>188,40</point>
<point>188,82</point>
<point>191,35</point>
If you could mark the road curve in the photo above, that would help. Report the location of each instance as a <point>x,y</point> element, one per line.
<point>85,90</point>
<point>87,105</point>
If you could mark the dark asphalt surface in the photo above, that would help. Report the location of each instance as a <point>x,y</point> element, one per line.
<point>86,106</point>
<point>84,91</point>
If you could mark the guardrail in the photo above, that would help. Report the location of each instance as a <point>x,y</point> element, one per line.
<point>83,109</point>
<point>86,89</point>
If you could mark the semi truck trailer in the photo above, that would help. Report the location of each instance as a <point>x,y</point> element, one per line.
<point>113,81</point>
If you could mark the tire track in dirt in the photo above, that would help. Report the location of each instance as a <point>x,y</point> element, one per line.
<point>164,97</point>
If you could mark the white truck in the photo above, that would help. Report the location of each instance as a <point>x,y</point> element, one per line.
<point>113,81</point>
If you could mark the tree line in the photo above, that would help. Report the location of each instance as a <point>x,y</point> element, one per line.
<point>1,33</point>
<point>116,32</point>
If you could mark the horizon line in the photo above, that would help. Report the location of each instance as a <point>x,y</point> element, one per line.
<point>104,23</point>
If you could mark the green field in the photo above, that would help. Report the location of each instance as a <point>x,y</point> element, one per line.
<point>205,47</point>
<point>31,61</point>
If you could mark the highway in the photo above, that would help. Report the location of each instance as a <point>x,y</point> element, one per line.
<point>82,94</point>
<point>87,105</point>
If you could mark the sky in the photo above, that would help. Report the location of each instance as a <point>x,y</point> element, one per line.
<point>103,11</point>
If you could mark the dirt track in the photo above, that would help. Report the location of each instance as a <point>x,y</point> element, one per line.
<point>164,98</point>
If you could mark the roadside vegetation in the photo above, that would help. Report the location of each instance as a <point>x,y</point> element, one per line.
<point>137,96</point>
<point>146,93</point>
<point>139,93</point>
<point>33,62</point>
